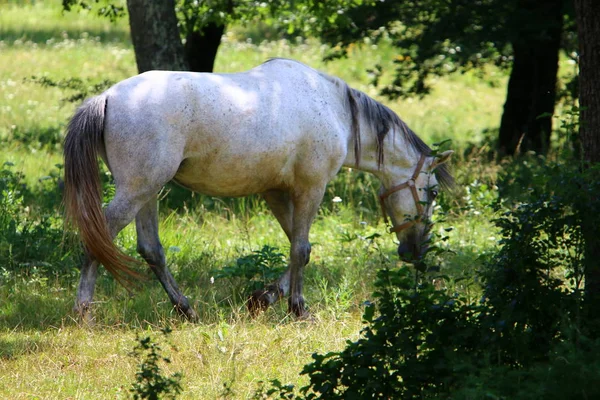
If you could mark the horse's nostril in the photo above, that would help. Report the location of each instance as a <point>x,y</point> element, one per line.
<point>409,252</point>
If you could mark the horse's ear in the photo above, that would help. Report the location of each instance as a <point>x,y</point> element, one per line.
<point>441,159</point>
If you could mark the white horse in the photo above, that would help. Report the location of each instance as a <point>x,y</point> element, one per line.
<point>281,129</point>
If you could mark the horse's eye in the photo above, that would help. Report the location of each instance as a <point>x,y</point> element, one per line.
<point>433,193</point>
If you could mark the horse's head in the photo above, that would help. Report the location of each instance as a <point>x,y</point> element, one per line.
<point>409,205</point>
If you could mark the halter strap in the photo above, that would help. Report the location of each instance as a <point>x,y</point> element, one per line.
<point>413,189</point>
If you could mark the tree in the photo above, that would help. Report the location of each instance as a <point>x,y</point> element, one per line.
<point>202,24</point>
<point>155,35</point>
<point>436,37</point>
<point>154,25</point>
<point>588,27</point>
<point>527,119</point>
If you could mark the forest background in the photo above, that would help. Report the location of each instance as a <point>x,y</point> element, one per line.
<point>499,309</point>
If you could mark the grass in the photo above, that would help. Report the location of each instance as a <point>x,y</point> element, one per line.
<point>73,362</point>
<point>45,353</point>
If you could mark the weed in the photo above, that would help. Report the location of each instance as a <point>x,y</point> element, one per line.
<point>28,241</point>
<point>150,383</point>
<point>254,271</point>
<point>83,89</point>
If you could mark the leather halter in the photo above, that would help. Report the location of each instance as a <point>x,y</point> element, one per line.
<point>411,185</point>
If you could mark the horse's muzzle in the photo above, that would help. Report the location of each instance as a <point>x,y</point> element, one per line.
<point>411,252</point>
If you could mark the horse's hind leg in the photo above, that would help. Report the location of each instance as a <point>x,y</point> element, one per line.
<point>85,290</point>
<point>150,248</point>
<point>119,213</point>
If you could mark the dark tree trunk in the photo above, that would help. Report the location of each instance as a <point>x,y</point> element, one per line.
<point>155,35</point>
<point>532,84</point>
<point>201,47</point>
<point>588,27</point>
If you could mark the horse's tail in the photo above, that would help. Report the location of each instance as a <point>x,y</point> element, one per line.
<point>83,189</point>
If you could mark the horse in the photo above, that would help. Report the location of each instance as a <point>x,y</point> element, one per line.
<point>282,130</point>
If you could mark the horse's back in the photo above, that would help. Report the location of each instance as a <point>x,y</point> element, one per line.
<point>238,133</point>
<point>279,93</point>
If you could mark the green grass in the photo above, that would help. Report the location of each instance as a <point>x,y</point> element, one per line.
<point>71,362</point>
<point>45,353</point>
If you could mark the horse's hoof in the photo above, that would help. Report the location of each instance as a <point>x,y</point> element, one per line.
<point>84,315</point>
<point>261,299</point>
<point>301,315</point>
<point>306,317</point>
<point>298,309</point>
<point>258,302</point>
<point>188,313</point>
<point>192,315</point>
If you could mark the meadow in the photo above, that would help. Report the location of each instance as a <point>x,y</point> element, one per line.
<point>44,350</point>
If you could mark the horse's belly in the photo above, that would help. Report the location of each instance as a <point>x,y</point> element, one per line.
<point>227,180</point>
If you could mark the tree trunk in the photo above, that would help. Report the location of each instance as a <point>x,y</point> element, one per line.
<point>588,27</point>
<point>155,35</point>
<point>527,119</point>
<point>201,47</point>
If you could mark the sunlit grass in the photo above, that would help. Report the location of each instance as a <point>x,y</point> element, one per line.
<point>71,362</point>
<point>33,163</point>
<point>45,353</point>
<point>460,108</point>
<point>44,23</point>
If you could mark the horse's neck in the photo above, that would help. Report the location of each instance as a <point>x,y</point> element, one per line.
<point>398,157</point>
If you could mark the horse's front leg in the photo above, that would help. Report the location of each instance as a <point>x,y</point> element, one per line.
<point>280,203</point>
<point>295,214</point>
<point>306,206</point>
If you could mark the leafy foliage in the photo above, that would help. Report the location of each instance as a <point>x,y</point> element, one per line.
<point>150,383</point>
<point>404,351</point>
<point>435,38</point>
<point>30,239</point>
<point>291,16</point>
<point>255,270</point>
<point>516,342</point>
<point>111,9</point>
<point>195,15</point>
<point>83,89</point>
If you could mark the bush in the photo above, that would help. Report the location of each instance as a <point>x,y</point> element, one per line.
<point>254,271</point>
<point>525,339</point>
<point>150,382</point>
<point>31,235</point>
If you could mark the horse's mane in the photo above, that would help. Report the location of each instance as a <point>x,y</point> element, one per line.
<point>381,120</point>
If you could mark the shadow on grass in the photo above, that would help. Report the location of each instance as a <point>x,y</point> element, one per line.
<point>14,346</point>
<point>35,312</point>
<point>46,309</point>
<point>49,37</point>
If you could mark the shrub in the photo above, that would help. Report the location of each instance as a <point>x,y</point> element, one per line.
<point>520,341</point>
<point>30,239</point>
<point>150,383</point>
<point>254,271</point>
